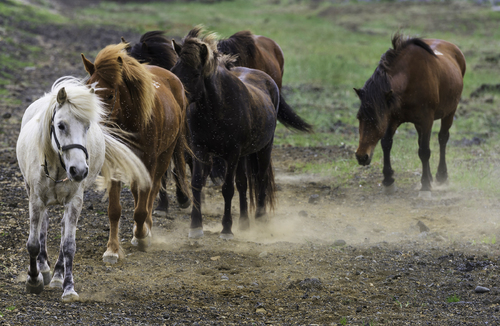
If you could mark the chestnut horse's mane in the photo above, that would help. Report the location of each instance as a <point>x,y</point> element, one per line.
<point>242,43</point>
<point>116,67</point>
<point>378,85</point>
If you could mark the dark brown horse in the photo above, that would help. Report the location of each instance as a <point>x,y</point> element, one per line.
<point>149,103</point>
<point>234,118</point>
<point>252,51</point>
<point>417,81</point>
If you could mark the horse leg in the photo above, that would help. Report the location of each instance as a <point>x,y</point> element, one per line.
<point>241,185</point>
<point>444,135</point>
<point>43,259</point>
<point>228,193</point>
<point>424,152</point>
<point>386,143</point>
<point>114,251</point>
<point>141,231</point>
<point>162,207</point>
<point>198,178</point>
<point>68,246</point>
<point>34,282</point>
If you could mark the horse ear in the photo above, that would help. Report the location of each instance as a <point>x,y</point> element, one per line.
<point>176,47</point>
<point>389,95</point>
<point>358,91</point>
<point>89,66</point>
<point>203,54</point>
<point>120,61</point>
<point>61,96</point>
<point>127,44</point>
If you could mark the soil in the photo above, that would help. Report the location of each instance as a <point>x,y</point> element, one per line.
<point>332,253</point>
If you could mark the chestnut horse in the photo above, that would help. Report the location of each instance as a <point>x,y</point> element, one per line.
<point>252,51</point>
<point>149,103</point>
<point>233,117</point>
<point>417,81</point>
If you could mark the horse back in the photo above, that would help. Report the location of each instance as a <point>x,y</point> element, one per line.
<point>434,80</point>
<point>269,58</point>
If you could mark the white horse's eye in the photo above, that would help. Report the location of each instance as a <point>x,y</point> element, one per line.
<point>61,127</point>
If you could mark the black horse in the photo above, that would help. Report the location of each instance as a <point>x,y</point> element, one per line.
<point>252,51</point>
<point>234,118</point>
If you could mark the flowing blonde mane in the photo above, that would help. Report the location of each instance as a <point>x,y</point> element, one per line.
<point>82,103</point>
<point>117,68</point>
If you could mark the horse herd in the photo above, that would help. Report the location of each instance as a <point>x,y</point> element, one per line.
<point>213,104</point>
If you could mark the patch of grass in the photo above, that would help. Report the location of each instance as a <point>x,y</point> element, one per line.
<point>453,298</point>
<point>11,308</point>
<point>343,321</point>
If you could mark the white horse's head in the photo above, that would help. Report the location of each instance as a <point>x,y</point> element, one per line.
<point>69,138</point>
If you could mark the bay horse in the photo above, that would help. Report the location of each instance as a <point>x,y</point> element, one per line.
<point>61,149</point>
<point>149,103</point>
<point>251,51</point>
<point>417,81</point>
<point>234,118</point>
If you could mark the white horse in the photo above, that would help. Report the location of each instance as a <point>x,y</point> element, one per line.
<point>62,147</point>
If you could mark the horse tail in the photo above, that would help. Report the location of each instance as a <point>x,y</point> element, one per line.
<point>218,172</point>
<point>288,117</point>
<point>254,183</point>
<point>180,165</point>
<point>121,163</point>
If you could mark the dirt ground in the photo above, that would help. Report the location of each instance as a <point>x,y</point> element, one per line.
<point>331,254</point>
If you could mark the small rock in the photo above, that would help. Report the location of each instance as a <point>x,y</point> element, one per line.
<point>311,284</point>
<point>263,254</point>
<point>6,115</point>
<point>313,199</point>
<point>303,214</point>
<point>260,311</point>
<point>422,227</point>
<point>339,243</point>
<point>481,289</point>
<point>359,309</point>
<point>224,278</point>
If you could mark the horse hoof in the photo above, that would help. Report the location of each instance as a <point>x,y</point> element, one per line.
<point>226,236</point>
<point>425,194</point>
<point>110,257</point>
<point>159,213</point>
<point>185,205</point>
<point>390,190</point>
<point>70,296</point>
<point>35,286</point>
<point>56,282</point>
<point>46,277</point>
<point>196,233</point>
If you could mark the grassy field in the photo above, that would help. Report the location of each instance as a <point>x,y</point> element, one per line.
<point>332,47</point>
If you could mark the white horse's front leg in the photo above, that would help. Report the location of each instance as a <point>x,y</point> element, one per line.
<point>68,249</point>
<point>34,282</point>
<point>43,260</point>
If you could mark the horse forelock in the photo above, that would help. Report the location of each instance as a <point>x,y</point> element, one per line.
<point>191,48</point>
<point>129,73</point>
<point>80,101</point>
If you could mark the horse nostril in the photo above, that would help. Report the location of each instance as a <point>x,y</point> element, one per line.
<point>72,171</point>
<point>85,173</point>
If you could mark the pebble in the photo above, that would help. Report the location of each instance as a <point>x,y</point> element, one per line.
<point>338,243</point>
<point>303,214</point>
<point>422,227</point>
<point>263,254</point>
<point>481,289</point>
<point>311,284</point>
<point>224,278</point>
<point>313,199</point>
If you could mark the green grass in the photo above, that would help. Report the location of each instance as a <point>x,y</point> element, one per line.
<point>453,298</point>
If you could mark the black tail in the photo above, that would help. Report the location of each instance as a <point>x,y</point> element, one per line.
<point>218,172</point>
<point>252,167</point>
<point>288,117</point>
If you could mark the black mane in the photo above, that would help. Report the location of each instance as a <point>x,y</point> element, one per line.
<point>241,44</point>
<point>376,96</point>
<point>155,49</point>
